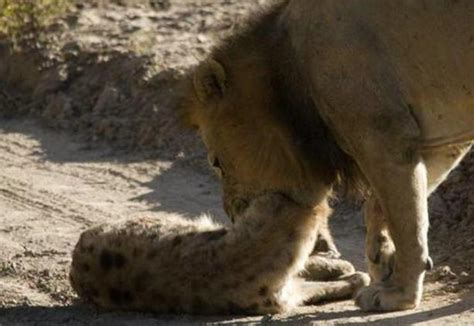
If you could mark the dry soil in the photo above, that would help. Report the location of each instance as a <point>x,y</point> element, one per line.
<point>89,133</point>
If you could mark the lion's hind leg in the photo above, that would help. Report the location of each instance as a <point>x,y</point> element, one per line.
<point>325,245</point>
<point>379,247</point>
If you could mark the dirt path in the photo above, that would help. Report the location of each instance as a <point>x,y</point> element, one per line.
<point>53,186</point>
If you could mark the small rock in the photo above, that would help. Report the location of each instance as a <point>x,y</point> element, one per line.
<point>107,100</point>
<point>443,273</point>
<point>465,278</point>
<point>160,4</point>
<point>59,107</point>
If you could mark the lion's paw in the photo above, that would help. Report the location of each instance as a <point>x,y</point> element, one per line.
<point>386,297</point>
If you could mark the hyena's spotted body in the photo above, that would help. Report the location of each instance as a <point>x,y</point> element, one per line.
<point>171,265</point>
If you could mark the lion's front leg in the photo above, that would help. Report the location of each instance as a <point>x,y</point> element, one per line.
<point>403,199</point>
<point>386,149</point>
<point>374,125</point>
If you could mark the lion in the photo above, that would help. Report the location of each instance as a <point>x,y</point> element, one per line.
<point>258,266</point>
<point>371,94</point>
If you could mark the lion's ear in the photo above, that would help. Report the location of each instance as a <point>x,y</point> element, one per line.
<point>210,81</point>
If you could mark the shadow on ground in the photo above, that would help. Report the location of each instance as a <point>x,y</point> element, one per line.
<point>186,187</point>
<point>80,314</point>
<point>84,315</point>
<point>200,192</point>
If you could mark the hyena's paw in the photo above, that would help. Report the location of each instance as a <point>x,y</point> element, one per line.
<point>380,257</point>
<point>320,268</point>
<point>386,296</point>
<point>358,280</point>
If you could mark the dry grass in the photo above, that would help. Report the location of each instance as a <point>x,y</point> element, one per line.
<point>22,21</point>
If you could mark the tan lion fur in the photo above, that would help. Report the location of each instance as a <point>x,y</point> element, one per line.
<point>313,92</point>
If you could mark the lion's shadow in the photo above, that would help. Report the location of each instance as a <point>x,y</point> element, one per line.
<point>181,189</point>
<point>185,187</point>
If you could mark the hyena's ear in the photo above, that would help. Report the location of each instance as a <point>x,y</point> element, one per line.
<point>210,81</point>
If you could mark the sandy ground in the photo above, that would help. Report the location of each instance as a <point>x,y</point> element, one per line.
<point>107,75</point>
<point>53,186</point>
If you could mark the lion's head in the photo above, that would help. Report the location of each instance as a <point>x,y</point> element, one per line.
<point>259,121</point>
<point>248,146</point>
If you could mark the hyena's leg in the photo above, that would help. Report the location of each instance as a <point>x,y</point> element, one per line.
<point>320,268</point>
<point>379,246</point>
<point>341,289</point>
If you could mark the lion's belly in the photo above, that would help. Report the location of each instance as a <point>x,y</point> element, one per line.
<point>445,121</point>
